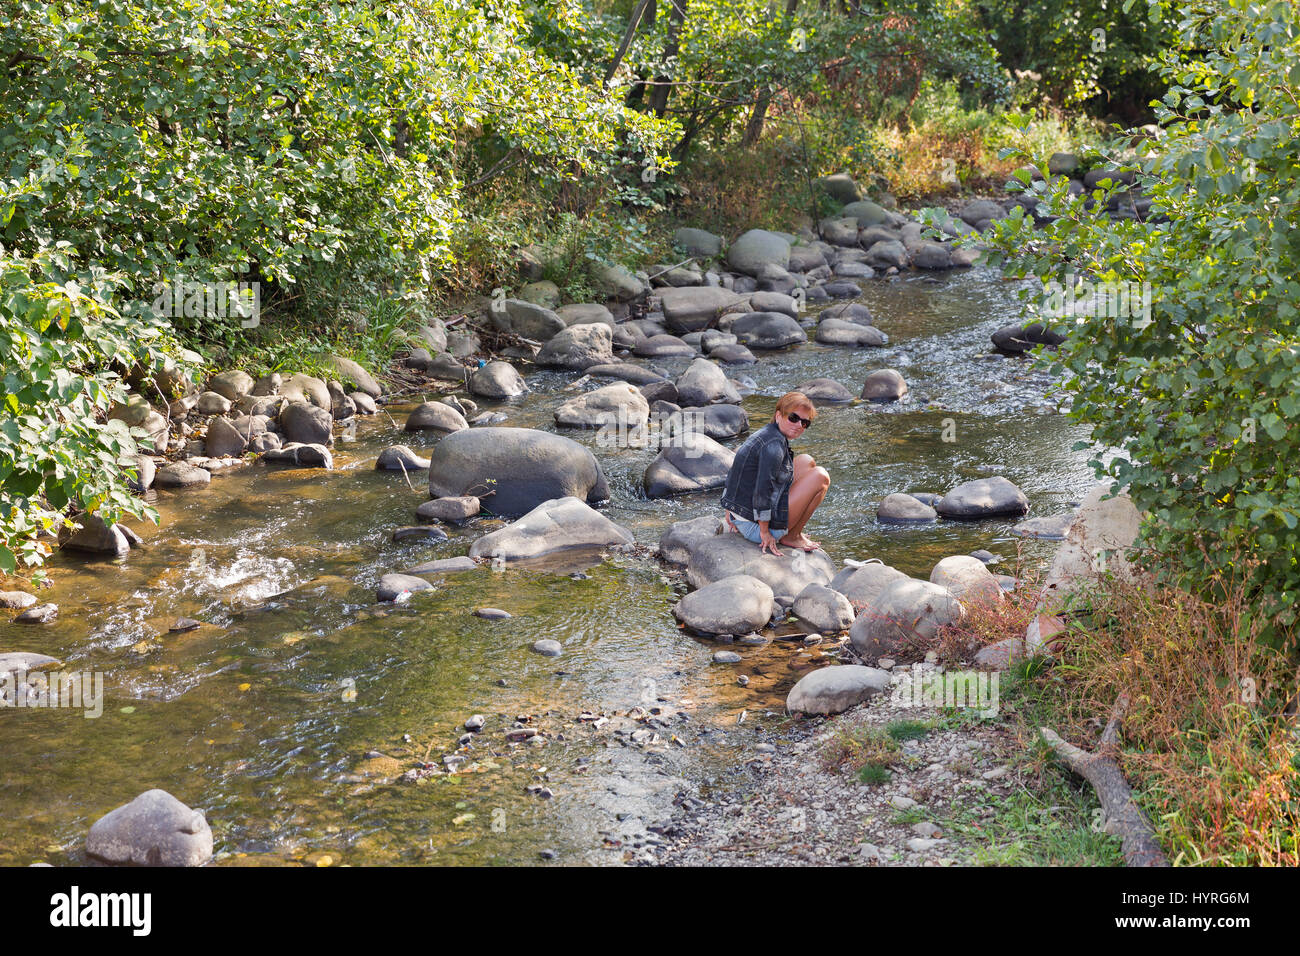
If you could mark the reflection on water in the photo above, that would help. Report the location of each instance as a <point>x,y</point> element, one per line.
<point>291,714</point>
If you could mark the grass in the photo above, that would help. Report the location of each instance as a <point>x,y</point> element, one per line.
<point>901,730</point>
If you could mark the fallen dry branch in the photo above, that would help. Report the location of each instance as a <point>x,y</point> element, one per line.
<point>1122,816</point>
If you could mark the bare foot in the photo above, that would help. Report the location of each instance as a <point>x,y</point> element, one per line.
<point>802,542</point>
<point>731,525</point>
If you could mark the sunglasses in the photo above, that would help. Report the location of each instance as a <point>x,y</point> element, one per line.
<point>795,419</point>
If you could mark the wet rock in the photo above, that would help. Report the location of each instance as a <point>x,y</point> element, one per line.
<point>11,661</point>
<point>825,391</point>
<point>492,614</point>
<point>727,554</point>
<point>842,289</point>
<point>931,255</point>
<point>520,467</point>
<point>967,579</point>
<point>525,319</point>
<point>618,405</point>
<point>393,586</point>
<point>683,537</point>
<point>350,372</point>
<point>400,458</point>
<point>662,346</point>
<point>703,383</point>
<point>626,372</point>
<point>691,308</point>
<point>904,612</point>
<point>726,657</point>
<point>710,339</point>
<point>154,829</point>
<point>884,385</point>
<point>264,442</point>
<point>656,392</point>
<point>578,347</point>
<point>1051,527</point>
<point>718,422</point>
<point>733,354</point>
<point>38,614</point>
<point>436,417</point>
<point>903,509</point>
<point>736,603</point>
<point>555,525</point>
<point>16,600</point>
<point>184,625</point>
<point>983,498</point>
<point>757,248</point>
<point>1022,338</point>
<point>691,462</point>
<point>827,610</point>
<point>806,258</point>
<point>297,453</point>
<point>95,536</point>
<point>777,302</point>
<point>460,508</point>
<point>833,690</point>
<point>547,648</point>
<point>475,723</point>
<point>840,230</point>
<point>496,380</point>
<point>425,533</point>
<point>306,388</point>
<point>224,439</point>
<point>768,330</point>
<point>444,566</point>
<point>146,472</point>
<point>341,407</point>
<point>181,474</point>
<point>308,424</point>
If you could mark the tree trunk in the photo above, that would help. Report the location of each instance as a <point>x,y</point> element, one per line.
<point>754,129</point>
<point>676,16</point>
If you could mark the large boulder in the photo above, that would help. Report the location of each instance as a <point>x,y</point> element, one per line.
<point>733,353</point>
<point>983,498</point>
<point>787,575</point>
<point>557,524</point>
<point>703,383</point>
<point>834,689</point>
<point>884,385</point>
<point>825,391</point>
<point>690,462</point>
<point>906,614</point>
<point>768,330</point>
<point>496,380</point>
<point>224,439</point>
<point>524,318</point>
<point>758,248</point>
<point>617,282</point>
<point>867,213</point>
<point>435,417</point>
<point>154,829</point>
<point>234,384</point>
<point>862,583</point>
<point>888,253</point>
<point>585,313</point>
<point>400,458</point>
<point>844,332</point>
<point>683,537</point>
<point>827,610</point>
<point>578,347</point>
<point>806,258</point>
<point>306,388</point>
<point>698,242</point>
<point>514,469</point>
<point>736,604</point>
<point>95,536</point>
<point>1100,540</point>
<point>618,404</point>
<point>968,579</point>
<point>626,372</point>
<point>662,346</point>
<point>350,372</point>
<point>718,422</point>
<point>904,509</point>
<point>691,308</point>
<point>931,255</point>
<point>978,210</point>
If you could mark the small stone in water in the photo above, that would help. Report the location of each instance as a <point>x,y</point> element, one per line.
<point>548,854</point>
<point>464,739</point>
<point>548,648</point>
<point>752,640</point>
<point>726,657</point>
<point>492,613</point>
<point>185,624</point>
<point>742,680</point>
<point>501,682</point>
<point>578,576</point>
<point>476,722</point>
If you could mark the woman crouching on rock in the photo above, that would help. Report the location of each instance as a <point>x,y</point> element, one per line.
<point>771,494</point>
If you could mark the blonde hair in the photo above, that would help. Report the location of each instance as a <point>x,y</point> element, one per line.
<point>792,400</point>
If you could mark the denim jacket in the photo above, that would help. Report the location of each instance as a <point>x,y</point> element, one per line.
<point>758,485</point>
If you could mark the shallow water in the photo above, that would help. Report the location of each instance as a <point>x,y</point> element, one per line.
<point>264,717</point>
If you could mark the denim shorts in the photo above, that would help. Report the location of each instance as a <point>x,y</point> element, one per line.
<point>749,530</point>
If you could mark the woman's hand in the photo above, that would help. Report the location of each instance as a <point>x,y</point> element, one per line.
<point>767,542</point>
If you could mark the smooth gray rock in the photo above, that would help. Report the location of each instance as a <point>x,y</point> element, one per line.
<point>834,689</point>
<point>585,313</point>
<point>703,383</point>
<point>867,213</point>
<point>845,332</point>
<point>11,661</point>
<point>768,330</point>
<point>978,210</point>
<point>1049,527</point>
<point>727,554</point>
<point>662,346</point>
<point>682,538</point>
<point>180,474</point>
<point>825,391</point>
<point>887,253</point>
<point>757,248</point>
<point>884,385</point>
<point>444,566</point>
<point>904,509</point>
<point>351,372</point>
<point>16,600</point>
<point>309,424</point>
<point>625,372</point>
<point>931,255</point>
<point>424,533</point>
<point>525,319</point>
<point>825,609</point>
<point>697,242</point>
<point>578,347</point>
<point>154,829</point>
<point>719,422</point>
<point>392,586</point>
<point>983,498</point>
<point>212,403</point>
<point>774,302</point>
<point>691,308</point>
<point>514,469</point>
<point>840,187</point>
<point>233,384</point>
<point>223,439</point>
<point>38,614</point>
<point>691,462</point>
<point>496,380</point>
<point>733,354</point>
<point>863,584</point>
<point>95,537</point>
<point>854,312</point>
<point>435,417</point>
<point>299,453</point>
<point>734,604</point>
<point>904,613</point>
<point>619,405</point>
<point>306,388</point>
<point>548,648</point>
<point>555,525</point>
<point>842,289</point>
<point>457,509</point>
<point>400,458</point>
<point>967,579</point>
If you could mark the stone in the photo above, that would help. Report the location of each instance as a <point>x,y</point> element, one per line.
<point>834,689</point>
<point>703,383</point>
<point>434,336</point>
<point>733,354</point>
<point>1001,655</point>
<point>1050,527</point>
<point>697,242</point>
<point>578,347</point>
<point>726,657</point>
<point>903,613</point>
<point>146,472</point>
<point>392,586</point>
<point>1094,177</point>
<point>457,509</point>
<point>548,648</point>
<point>619,406</point>
<point>718,422</point>
<point>419,533</point>
<point>931,255</point>
<point>16,600</point>
<point>827,610</point>
<point>1061,164</point>
<point>774,302</point>
<point>843,289</point>
<point>711,339</point>
<point>1100,540</point>
<point>728,554</point>
<point>840,230</point>
<point>526,319</point>
<point>306,388</point>
<point>308,424</point>
<point>542,292</point>
<point>350,372</point>
<point>843,332</point>
<point>690,462</point>
<point>299,453</point>
<point>888,253</point>
<point>223,439</point>
<point>491,614</point>
<point>460,345</point>
<point>854,312</point>
<point>444,566</point>
<point>825,391</point>
<point>903,509</point>
<point>436,417</point>
<point>447,368</point>
<point>211,403</point>
<point>233,385</point>
<point>95,537</point>
<point>496,380</point>
<point>978,210</point>
<point>617,282</point>
<point>867,213</point>
<point>692,308</point>
<point>662,346</point>
<point>884,385</point>
<point>840,187</point>
<point>626,372</point>
<point>757,248</point>
<point>180,474</point>
<point>558,524</point>
<point>655,392</point>
<point>967,579</point>
<point>983,498</point>
<point>11,661</point>
<point>768,330</point>
<point>861,584</point>
<point>38,614</point>
<point>154,829</point>
<point>133,413</point>
<point>518,467</point>
<point>585,313</point>
<point>400,458</point>
<point>730,605</point>
<point>683,537</point>
<point>806,259</point>
<point>341,407</point>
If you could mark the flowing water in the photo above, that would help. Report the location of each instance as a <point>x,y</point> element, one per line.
<point>291,714</point>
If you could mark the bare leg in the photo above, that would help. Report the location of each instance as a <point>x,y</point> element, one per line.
<point>806,493</point>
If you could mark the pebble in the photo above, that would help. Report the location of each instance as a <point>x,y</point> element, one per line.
<point>869,851</point>
<point>902,803</point>
<point>918,845</point>
<point>932,657</point>
<point>39,614</point>
<point>926,830</point>
<point>752,640</point>
<point>995,773</point>
<point>548,648</point>
<point>492,614</point>
<point>184,624</point>
<point>886,663</point>
<point>726,657</point>
<point>742,680</point>
<point>765,748</point>
<point>476,722</point>
<point>548,854</point>
<point>463,739</point>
